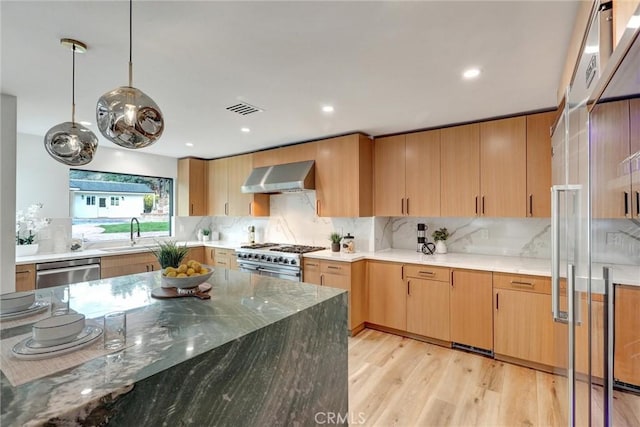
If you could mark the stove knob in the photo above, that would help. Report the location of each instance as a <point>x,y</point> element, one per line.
<point>293,262</point>
<point>263,257</point>
<point>280,259</point>
<point>286,261</point>
<point>269,259</point>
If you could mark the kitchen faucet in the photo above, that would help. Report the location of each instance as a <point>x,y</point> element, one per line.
<point>133,242</point>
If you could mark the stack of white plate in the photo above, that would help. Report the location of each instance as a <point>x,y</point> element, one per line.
<point>20,304</point>
<point>57,335</point>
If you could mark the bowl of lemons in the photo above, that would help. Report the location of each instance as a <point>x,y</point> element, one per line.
<point>187,275</point>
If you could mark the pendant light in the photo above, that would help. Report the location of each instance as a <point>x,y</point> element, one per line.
<point>126,115</point>
<point>70,142</point>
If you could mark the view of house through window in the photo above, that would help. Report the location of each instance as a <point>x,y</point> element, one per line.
<point>103,204</point>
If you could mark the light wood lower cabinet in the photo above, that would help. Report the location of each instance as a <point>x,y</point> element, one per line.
<point>341,275</point>
<point>428,301</point>
<point>523,324</point>
<point>387,295</point>
<point>122,265</point>
<point>472,308</point>
<point>25,277</point>
<point>627,333</point>
<point>222,258</point>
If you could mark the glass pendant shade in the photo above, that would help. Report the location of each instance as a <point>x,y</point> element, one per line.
<point>128,117</point>
<point>71,143</point>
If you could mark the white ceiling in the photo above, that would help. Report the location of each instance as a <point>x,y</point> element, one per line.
<point>385,66</point>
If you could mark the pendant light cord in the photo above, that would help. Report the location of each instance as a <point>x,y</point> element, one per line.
<point>130,43</point>
<point>73,84</point>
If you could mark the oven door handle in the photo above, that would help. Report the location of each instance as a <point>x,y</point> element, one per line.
<point>287,273</point>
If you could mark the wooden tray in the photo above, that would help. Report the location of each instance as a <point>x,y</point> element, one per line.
<point>201,291</point>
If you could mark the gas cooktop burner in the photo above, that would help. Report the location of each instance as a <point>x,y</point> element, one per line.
<point>258,245</point>
<point>297,249</point>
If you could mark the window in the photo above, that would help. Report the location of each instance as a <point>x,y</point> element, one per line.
<point>147,198</point>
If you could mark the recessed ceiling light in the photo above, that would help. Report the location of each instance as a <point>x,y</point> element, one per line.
<point>471,73</point>
<point>189,144</point>
<point>589,49</point>
<point>634,22</point>
<point>86,391</point>
<point>327,109</point>
<point>245,130</point>
<point>85,123</point>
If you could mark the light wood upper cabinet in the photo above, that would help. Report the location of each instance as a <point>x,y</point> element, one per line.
<point>634,135</point>
<point>389,175</point>
<point>387,295</point>
<point>503,166</point>
<point>610,147</point>
<point>343,176</point>
<point>192,190</point>
<point>460,170</point>
<point>288,154</point>
<point>225,177</point>
<point>627,335</point>
<point>407,174</point>
<point>472,308</point>
<point>539,164</point>
<point>25,277</point>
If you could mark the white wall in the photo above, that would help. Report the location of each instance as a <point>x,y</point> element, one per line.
<point>8,114</point>
<point>41,179</point>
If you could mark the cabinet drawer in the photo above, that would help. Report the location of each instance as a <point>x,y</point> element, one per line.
<point>225,252</point>
<point>224,262</point>
<point>311,265</point>
<point>538,284</point>
<point>340,268</point>
<point>441,274</point>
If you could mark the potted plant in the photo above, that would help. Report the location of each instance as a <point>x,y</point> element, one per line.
<point>28,224</point>
<point>440,236</point>
<point>335,241</point>
<point>206,234</point>
<point>169,254</point>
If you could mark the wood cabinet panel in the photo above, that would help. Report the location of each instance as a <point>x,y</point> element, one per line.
<point>422,174</point>
<point>537,284</point>
<point>539,164</point>
<point>192,190</point>
<point>472,308</point>
<point>209,256</point>
<point>427,272</point>
<point>428,308</point>
<point>609,141</point>
<point>627,335</point>
<point>311,271</point>
<point>217,184</point>
<point>386,295</point>
<point>524,326</point>
<point>503,165</point>
<point>634,140</point>
<point>389,176</point>
<point>122,265</point>
<point>196,254</point>
<point>343,176</point>
<point>288,154</point>
<point>239,168</point>
<point>25,277</point>
<point>460,170</point>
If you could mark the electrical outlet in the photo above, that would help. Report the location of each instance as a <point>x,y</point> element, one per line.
<point>484,233</point>
<point>614,239</point>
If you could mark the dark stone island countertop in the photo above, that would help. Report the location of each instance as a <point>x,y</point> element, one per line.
<point>261,351</point>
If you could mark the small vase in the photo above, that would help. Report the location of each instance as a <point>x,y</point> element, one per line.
<point>441,247</point>
<point>206,237</point>
<point>26,250</point>
<point>335,247</point>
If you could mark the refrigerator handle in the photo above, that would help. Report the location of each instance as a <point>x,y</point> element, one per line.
<point>558,315</point>
<point>609,343</point>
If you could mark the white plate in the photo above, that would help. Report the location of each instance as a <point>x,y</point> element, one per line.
<point>35,308</point>
<point>29,349</point>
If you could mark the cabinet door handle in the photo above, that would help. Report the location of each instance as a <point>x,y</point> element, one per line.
<point>402,272</point>
<point>311,265</point>
<point>23,272</point>
<point>147,268</point>
<point>250,212</point>
<point>626,204</point>
<point>530,204</point>
<point>497,301</point>
<point>321,280</point>
<point>409,287</point>
<point>402,206</point>
<point>191,208</point>
<point>638,203</point>
<point>317,207</point>
<point>482,205</point>
<point>519,283</point>
<point>476,205</point>
<point>428,273</point>
<point>407,206</point>
<point>333,267</point>
<point>451,278</point>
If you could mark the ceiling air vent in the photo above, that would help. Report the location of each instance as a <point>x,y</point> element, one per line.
<point>244,109</point>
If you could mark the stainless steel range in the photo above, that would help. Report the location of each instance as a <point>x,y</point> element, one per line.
<point>273,259</point>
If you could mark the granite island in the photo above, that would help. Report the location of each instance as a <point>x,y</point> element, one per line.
<point>261,351</point>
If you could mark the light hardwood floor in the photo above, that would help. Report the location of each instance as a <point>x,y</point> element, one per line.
<point>396,381</point>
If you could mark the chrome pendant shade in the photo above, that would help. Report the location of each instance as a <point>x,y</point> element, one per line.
<point>127,116</point>
<point>70,142</point>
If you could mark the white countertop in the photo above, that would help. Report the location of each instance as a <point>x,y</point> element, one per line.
<point>622,274</point>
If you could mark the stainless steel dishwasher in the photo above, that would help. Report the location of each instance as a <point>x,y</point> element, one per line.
<point>57,273</point>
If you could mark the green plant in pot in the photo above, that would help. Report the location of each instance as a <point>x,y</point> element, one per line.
<point>169,254</point>
<point>440,236</point>
<point>335,241</point>
<point>206,232</point>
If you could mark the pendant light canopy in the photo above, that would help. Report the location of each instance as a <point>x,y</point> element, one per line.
<point>126,115</point>
<point>70,142</point>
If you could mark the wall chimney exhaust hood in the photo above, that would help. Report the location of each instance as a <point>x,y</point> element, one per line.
<point>296,176</point>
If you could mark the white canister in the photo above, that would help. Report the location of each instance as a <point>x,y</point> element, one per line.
<point>348,244</point>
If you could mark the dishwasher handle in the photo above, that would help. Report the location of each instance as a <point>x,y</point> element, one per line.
<point>68,269</point>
